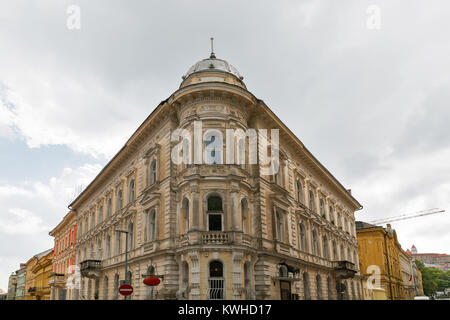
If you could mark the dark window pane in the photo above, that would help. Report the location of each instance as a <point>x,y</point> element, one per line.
<point>214,203</point>
<point>215,222</point>
<point>215,269</point>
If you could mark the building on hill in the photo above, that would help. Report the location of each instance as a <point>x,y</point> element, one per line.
<point>432,260</point>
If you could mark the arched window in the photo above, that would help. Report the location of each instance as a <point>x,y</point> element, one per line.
<point>335,255</point>
<point>86,224</point>
<point>99,249</point>
<point>312,205</point>
<point>329,288</point>
<point>315,243</point>
<point>116,286</point>
<point>276,173</point>
<point>241,152</point>
<point>283,271</point>
<point>345,226</point>
<point>279,225</point>
<point>306,292</point>
<point>105,288</point>
<point>150,225</point>
<point>130,236</point>
<point>326,251</point>
<point>214,204</point>
<point>349,255</point>
<point>244,215</point>
<point>216,269</point>
<point>339,218</point>
<point>108,208</point>
<point>152,172</point>
<point>93,219</point>
<point>299,191</point>
<point>322,208</point>
<point>118,244</point>
<point>185,275</point>
<point>108,246</point>
<point>302,237</point>
<point>100,214</point>
<point>216,281</point>
<point>331,212</point>
<point>215,213</point>
<point>91,251</point>
<point>319,287</point>
<point>131,191</point>
<point>185,214</point>
<point>119,201</point>
<point>342,252</point>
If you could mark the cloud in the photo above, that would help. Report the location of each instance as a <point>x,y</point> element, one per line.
<point>21,222</point>
<point>31,209</point>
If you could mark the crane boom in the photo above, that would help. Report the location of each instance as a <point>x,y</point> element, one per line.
<point>408,216</point>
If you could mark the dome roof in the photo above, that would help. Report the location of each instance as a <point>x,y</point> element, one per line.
<point>212,64</point>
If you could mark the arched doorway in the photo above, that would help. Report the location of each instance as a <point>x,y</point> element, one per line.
<point>216,281</point>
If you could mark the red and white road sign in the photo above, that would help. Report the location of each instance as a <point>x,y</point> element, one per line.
<point>125,290</point>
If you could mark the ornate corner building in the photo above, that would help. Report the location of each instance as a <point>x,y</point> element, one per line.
<point>219,229</point>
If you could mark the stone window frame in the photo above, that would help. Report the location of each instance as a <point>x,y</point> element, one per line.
<point>151,234</point>
<point>207,212</point>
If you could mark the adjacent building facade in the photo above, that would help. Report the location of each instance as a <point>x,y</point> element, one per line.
<point>38,270</point>
<point>12,286</point>
<point>216,226</point>
<point>62,282</point>
<point>389,272</point>
<point>21,280</point>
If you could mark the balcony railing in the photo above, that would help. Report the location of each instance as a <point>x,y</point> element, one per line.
<point>344,269</point>
<point>57,279</point>
<point>216,237</point>
<point>90,268</point>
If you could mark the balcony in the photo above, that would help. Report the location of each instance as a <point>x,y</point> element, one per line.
<point>344,269</point>
<point>216,237</point>
<point>91,268</point>
<point>57,280</point>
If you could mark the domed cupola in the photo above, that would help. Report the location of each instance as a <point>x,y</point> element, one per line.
<point>212,70</point>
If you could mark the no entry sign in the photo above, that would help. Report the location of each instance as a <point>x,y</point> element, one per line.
<point>125,290</point>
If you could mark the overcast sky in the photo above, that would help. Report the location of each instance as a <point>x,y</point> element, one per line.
<point>371,104</point>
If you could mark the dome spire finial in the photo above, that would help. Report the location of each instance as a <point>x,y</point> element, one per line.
<point>212,56</point>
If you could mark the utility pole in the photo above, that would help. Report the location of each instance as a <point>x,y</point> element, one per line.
<point>126,254</point>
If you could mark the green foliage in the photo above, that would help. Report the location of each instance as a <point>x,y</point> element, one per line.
<point>433,279</point>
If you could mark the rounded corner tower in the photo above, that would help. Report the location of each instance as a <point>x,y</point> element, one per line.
<point>212,70</point>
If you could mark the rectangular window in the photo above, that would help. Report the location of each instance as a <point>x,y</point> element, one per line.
<point>215,222</point>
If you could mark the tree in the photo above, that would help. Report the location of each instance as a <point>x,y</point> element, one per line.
<point>433,279</point>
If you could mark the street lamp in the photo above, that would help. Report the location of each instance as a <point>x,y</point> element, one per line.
<point>126,253</point>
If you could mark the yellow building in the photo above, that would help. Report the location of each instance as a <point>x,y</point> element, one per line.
<point>37,276</point>
<point>379,257</point>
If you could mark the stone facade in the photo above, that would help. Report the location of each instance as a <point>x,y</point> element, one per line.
<point>219,230</point>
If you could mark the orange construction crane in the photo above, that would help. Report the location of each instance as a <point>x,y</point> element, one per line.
<point>407,216</point>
